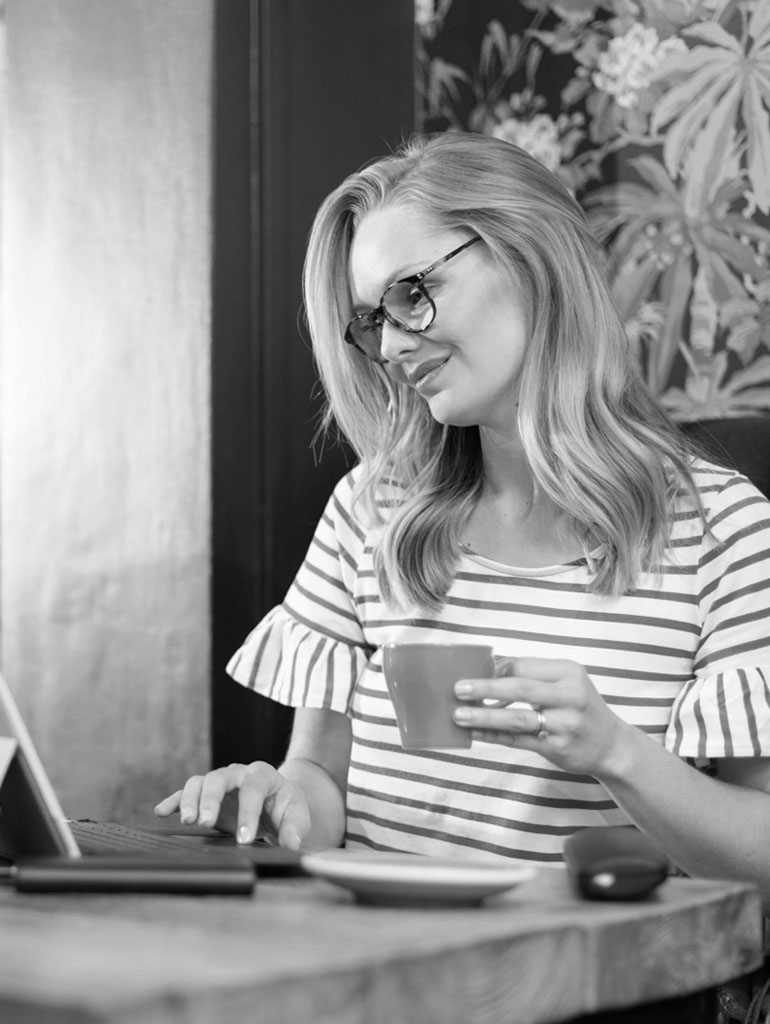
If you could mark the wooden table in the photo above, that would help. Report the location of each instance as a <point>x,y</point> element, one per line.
<point>302,950</point>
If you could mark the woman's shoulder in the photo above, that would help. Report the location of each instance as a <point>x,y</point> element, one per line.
<point>383,484</point>
<point>730,500</point>
<point>364,496</point>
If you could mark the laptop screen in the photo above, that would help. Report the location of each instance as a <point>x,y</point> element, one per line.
<point>31,818</point>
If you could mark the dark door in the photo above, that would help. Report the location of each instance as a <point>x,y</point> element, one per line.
<point>307,91</point>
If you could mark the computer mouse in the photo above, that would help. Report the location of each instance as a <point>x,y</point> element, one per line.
<point>614,862</point>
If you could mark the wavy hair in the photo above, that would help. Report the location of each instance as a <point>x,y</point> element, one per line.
<point>596,441</point>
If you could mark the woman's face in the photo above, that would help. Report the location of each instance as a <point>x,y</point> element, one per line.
<point>466,365</point>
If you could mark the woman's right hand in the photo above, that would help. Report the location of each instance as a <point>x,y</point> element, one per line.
<point>248,800</point>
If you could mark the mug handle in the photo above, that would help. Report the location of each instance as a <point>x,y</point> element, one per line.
<point>501,665</point>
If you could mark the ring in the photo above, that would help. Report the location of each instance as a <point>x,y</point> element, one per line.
<point>540,732</point>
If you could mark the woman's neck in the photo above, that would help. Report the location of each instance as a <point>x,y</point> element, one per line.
<point>514,520</point>
<point>506,471</point>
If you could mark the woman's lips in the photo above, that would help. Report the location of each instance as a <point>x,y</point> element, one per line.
<point>422,377</point>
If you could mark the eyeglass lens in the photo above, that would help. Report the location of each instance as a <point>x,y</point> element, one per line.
<point>405,304</point>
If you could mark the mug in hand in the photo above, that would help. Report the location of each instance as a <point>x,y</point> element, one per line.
<point>420,678</point>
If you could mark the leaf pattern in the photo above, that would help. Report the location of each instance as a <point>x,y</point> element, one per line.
<point>717,82</point>
<point>663,133</point>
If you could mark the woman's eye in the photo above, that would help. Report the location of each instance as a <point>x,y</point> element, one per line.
<point>414,298</point>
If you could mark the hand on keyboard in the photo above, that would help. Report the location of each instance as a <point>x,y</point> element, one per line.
<point>246,800</point>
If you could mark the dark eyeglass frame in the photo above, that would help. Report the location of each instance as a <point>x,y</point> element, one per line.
<point>379,314</point>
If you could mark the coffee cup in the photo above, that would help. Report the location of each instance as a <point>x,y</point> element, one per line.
<point>420,678</point>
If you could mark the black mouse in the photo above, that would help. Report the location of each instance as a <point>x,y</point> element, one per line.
<point>614,862</point>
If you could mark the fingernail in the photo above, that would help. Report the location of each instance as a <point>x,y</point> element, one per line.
<point>463,689</point>
<point>462,714</point>
<point>291,839</point>
<point>187,817</point>
<point>205,818</point>
<point>244,834</point>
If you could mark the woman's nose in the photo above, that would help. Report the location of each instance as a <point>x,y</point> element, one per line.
<point>396,343</point>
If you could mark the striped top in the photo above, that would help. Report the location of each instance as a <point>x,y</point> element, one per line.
<point>684,657</point>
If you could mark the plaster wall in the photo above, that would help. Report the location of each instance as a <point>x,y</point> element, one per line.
<point>104,392</point>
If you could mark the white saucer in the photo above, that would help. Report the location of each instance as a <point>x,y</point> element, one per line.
<point>409,879</point>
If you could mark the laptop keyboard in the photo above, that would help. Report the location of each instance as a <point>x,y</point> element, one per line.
<point>97,837</point>
<point>108,837</point>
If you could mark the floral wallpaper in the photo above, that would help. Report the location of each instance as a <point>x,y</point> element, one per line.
<point>656,114</point>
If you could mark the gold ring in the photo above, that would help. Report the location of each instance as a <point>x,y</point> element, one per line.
<point>541,732</point>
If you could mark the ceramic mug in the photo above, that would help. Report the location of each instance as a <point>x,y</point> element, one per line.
<point>421,678</point>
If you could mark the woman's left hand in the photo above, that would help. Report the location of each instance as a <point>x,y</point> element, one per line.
<point>568,721</point>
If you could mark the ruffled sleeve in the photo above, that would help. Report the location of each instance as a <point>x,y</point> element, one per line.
<point>287,661</point>
<point>724,711</point>
<point>726,714</point>
<point>310,651</point>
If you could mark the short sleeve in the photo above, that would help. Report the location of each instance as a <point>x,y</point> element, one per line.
<point>724,710</point>
<point>297,666</point>
<point>310,651</point>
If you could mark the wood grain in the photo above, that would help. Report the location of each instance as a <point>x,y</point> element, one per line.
<point>304,950</point>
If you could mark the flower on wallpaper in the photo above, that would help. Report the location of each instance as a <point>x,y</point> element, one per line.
<point>429,16</point>
<point>662,130</point>
<point>627,67</point>
<point>539,136</point>
<point>522,121</point>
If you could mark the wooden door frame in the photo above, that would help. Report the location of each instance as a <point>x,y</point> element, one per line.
<point>305,93</point>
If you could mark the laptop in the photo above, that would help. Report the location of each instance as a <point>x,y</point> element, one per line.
<point>40,848</point>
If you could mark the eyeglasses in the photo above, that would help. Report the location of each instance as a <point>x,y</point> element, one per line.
<point>405,304</point>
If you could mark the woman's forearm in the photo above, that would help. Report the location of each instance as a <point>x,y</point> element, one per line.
<point>708,828</point>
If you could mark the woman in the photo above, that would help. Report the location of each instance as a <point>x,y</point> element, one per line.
<point>517,485</point>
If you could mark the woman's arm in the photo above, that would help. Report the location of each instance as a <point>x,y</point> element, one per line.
<point>709,827</point>
<point>300,804</point>
<point>317,760</point>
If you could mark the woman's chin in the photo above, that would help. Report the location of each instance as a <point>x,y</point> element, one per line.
<point>443,412</point>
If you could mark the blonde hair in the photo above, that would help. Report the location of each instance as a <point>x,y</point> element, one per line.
<point>596,441</point>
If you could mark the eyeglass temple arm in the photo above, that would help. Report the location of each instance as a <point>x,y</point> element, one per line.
<point>455,252</point>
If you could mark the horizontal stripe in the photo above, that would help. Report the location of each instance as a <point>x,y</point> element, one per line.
<point>543,771</point>
<point>449,813</point>
<point>469,843</point>
<point>463,786</point>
